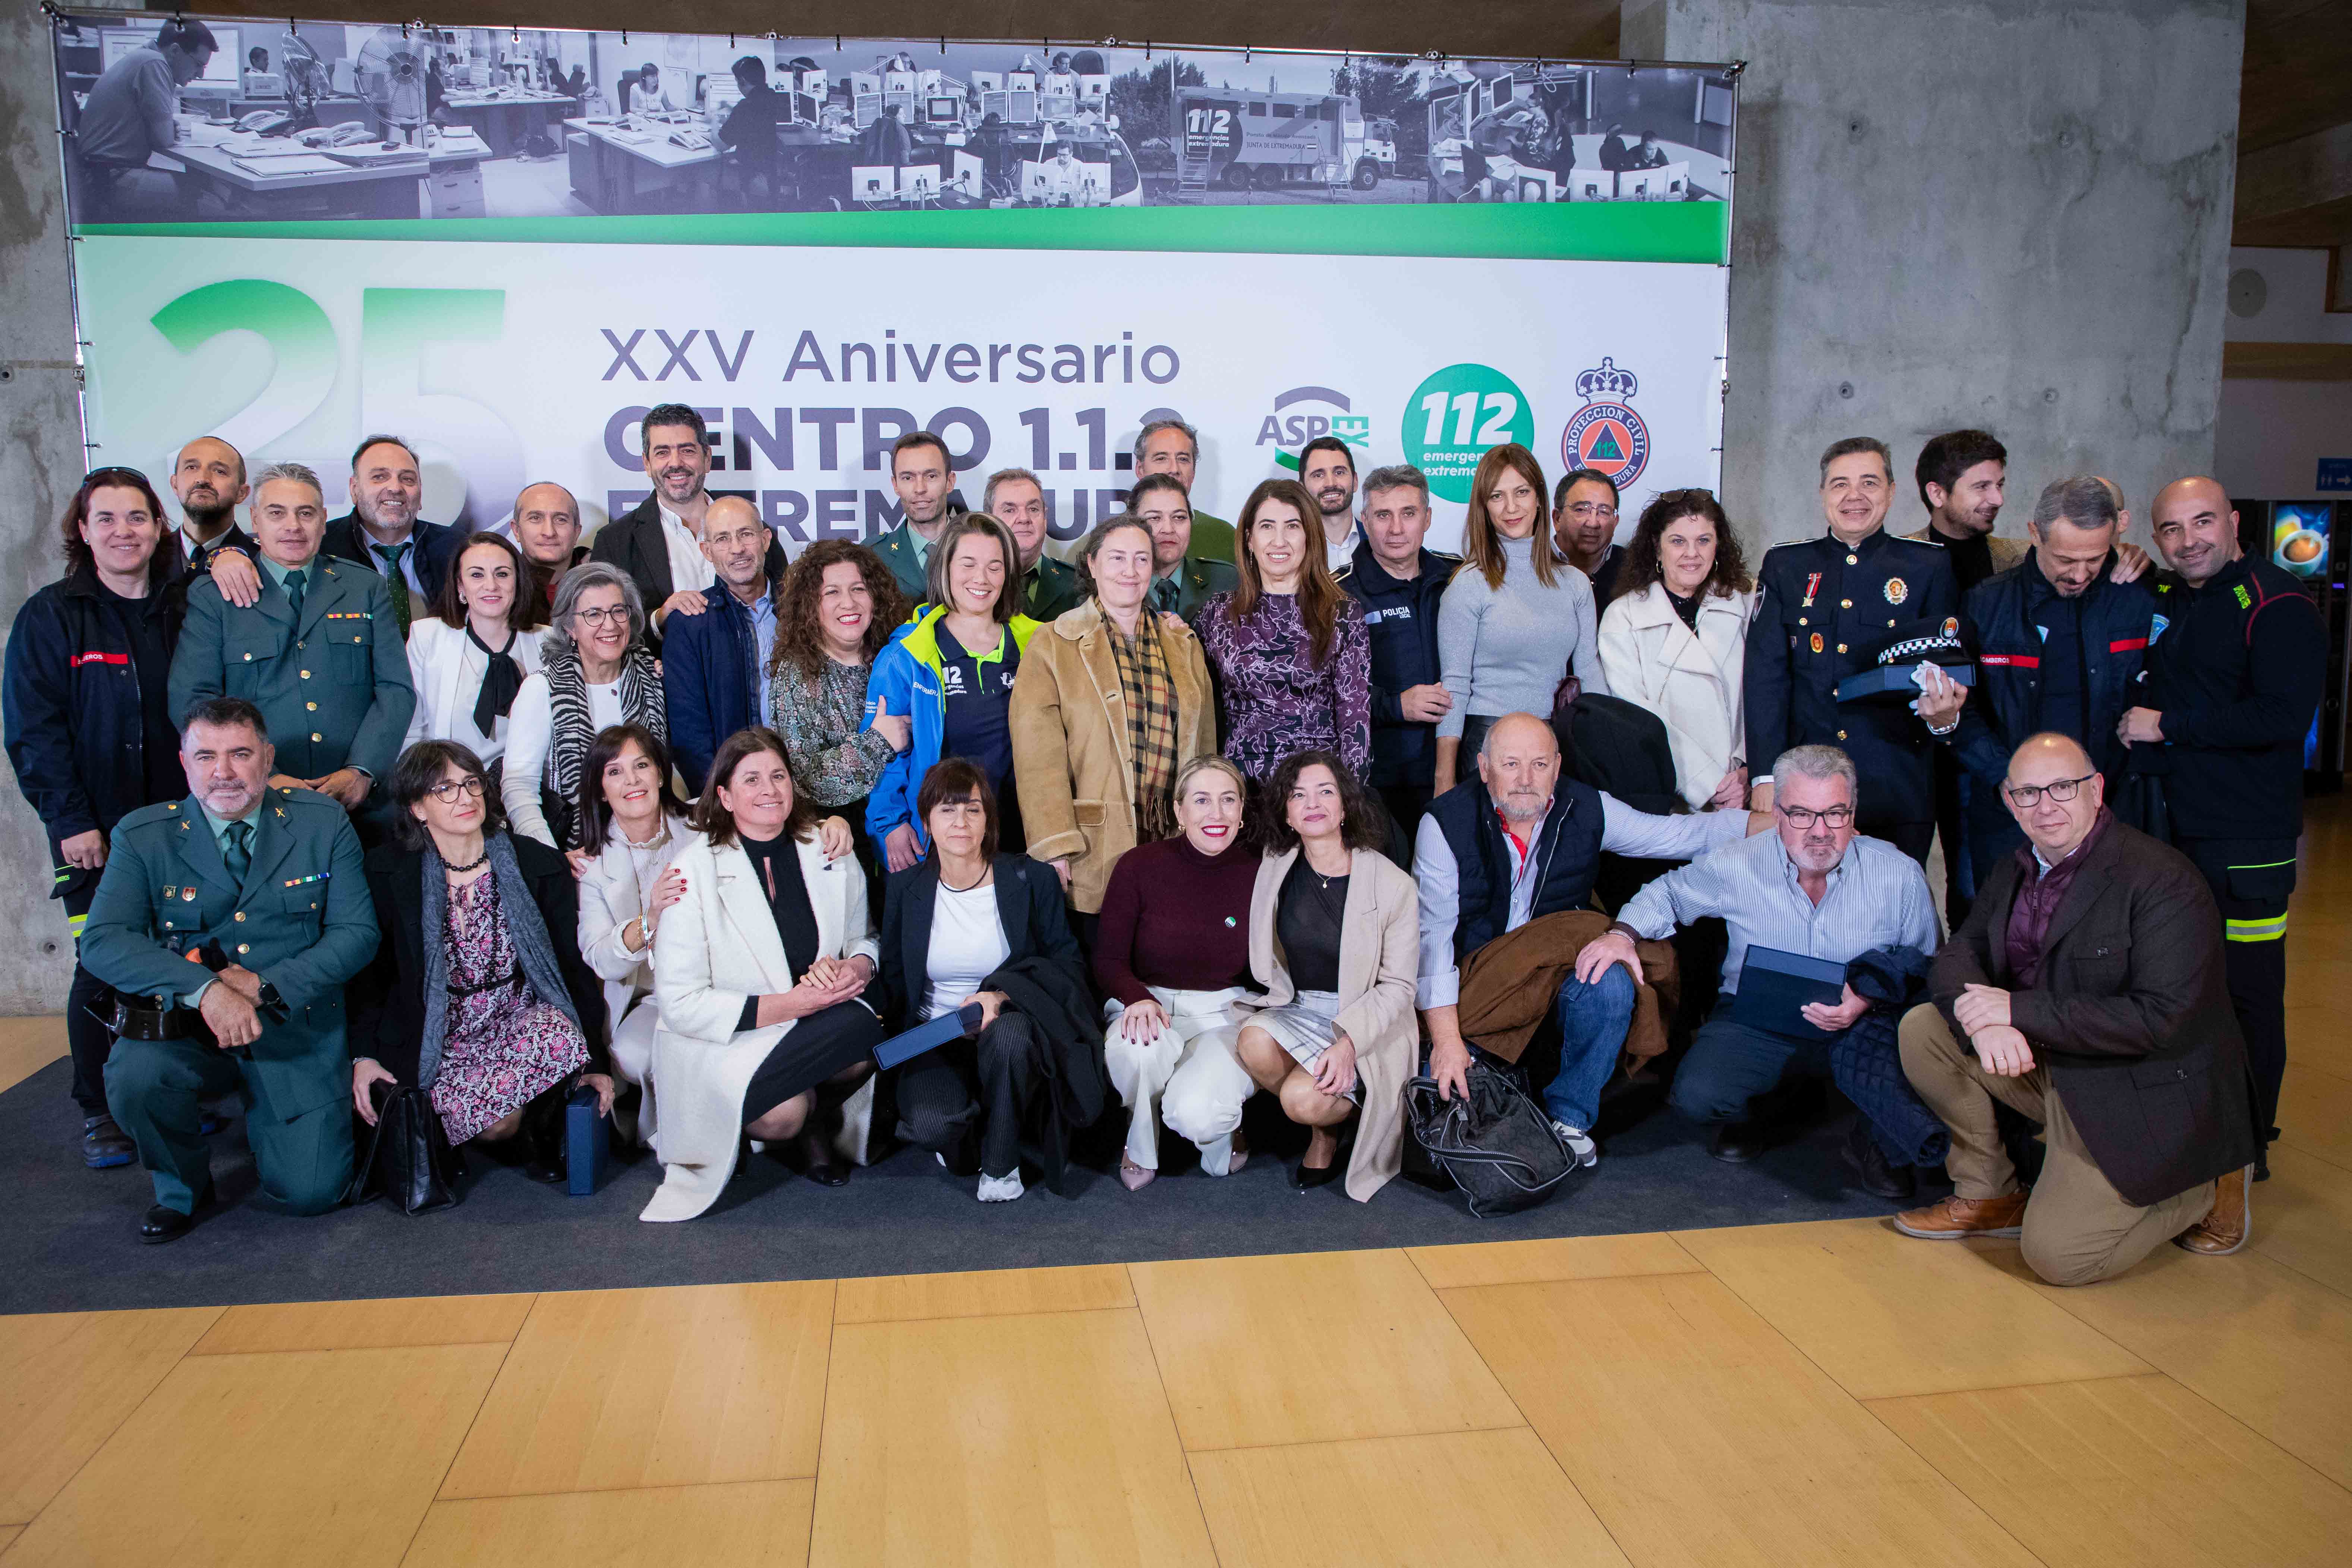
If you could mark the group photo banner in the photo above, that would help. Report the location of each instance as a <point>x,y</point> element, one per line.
<point>507,244</point>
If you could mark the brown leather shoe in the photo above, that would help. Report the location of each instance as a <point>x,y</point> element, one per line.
<point>2229,1225</point>
<point>1958,1216</point>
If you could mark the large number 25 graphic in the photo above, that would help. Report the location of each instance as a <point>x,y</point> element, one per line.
<point>398,330</point>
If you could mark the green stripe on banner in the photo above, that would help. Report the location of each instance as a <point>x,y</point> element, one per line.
<point>1587,231</point>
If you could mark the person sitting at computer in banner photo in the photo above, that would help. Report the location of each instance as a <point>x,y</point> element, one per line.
<point>478,995</point>
<point>1328,1028</point>
<point>593,673</point>
<point>1172,953</point>
<point>469,657</point>
<point>89,731</point>
<point>763,966</point>
<point>126,119</point>
<point>319,652</point>
<point>1515,619</point>
<point>1675,640</point>
<point>2085,991</point>
<point>1289,649</point>
<point>947,680</point>
<point>1517,843</point>
<point>962,928</point>
<point>1113,699</point>
<point>1804,902</point>
<point>232,919</point>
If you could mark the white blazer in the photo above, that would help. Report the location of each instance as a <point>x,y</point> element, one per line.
<point>1689,679</point>
<point>610,898</point>
<point>716,946</point>
<point>446,693</point>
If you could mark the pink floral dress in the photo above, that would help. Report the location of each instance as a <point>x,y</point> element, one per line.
<point>504,1046</point>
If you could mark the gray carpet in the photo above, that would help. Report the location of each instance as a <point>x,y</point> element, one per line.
<point>69,1242</point>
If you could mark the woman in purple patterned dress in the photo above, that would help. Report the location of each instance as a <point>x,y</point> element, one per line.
<point>479,993</point>
<point>1292,659</point>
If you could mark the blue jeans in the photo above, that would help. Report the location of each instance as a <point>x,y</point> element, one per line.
<point>1593,1023</point>
<point>1731,1066</point>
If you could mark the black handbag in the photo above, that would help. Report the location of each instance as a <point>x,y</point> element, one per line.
<point>408,1155</point>
<point>1495,1142</point>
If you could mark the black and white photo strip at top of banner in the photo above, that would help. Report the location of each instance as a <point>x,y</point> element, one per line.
<point>242,121</point>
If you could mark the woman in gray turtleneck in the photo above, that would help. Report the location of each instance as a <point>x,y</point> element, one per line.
<point>1515,619</point>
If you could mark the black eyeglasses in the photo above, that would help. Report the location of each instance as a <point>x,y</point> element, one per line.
<point>1835,816</point>
<point>2028,796</point>
<point>448,791</point>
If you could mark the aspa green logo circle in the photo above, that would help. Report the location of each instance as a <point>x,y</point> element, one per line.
<point>1455,417</point>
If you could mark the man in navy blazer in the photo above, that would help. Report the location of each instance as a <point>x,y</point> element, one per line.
<point>382,533</point>
<point>714,662</point>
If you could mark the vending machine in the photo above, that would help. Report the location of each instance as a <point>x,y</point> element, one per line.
<point>2299,538</point>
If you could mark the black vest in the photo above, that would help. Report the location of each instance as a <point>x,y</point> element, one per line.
<point>1567,850</point>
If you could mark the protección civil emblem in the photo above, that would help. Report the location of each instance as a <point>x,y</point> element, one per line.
<point>1606,436</point>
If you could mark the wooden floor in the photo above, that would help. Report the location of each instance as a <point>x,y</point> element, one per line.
<point>1771,1396</point>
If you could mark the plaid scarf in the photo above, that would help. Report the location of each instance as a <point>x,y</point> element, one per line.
<point>1151,723</point>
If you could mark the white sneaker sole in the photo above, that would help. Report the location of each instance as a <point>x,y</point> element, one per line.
<point>2005,1233</point>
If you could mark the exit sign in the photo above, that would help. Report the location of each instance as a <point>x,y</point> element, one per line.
<point>2334,474</point>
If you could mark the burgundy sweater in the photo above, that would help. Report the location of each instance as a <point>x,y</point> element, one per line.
<point>1176,918</point>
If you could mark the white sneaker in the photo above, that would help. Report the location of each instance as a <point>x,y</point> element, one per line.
<point>1000,1189</point>
<point>1579,1143</point>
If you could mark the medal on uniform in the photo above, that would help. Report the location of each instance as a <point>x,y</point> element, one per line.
<point>1812,586</point>
<point>1817,642</point>
<point>187,894</point>
<point>171,893</point>
<point>1896,590</point>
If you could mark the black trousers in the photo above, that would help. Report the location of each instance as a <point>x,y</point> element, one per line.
<point>820,1047</point>
<point>1406,804</point>
<point>1914,839</point>
<point>2251,879</point>
<point>969,1100</point>
<point>1951,823</point>
<point>88,1041</point>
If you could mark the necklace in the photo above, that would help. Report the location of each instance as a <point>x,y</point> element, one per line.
<point>985,875</point>
<point>470,865</point>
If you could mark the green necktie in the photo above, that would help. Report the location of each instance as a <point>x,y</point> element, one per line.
<point>238,853</point>
<point>294,582</point>
<point>398,583</point>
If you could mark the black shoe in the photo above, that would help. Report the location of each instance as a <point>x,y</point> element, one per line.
<point>1306,1177</point>
<point>1881,1177</point>
<point>163,1224</point>
<point>104,1145</point>
<point>831,1174</point>
<point>1736,1143</point>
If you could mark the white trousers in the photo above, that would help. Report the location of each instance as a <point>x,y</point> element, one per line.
<point>632,1057</point>
<point>1145,1072</point>
<point>1204,1095</point>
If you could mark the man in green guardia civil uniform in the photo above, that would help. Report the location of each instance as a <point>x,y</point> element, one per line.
<point>244,906</point>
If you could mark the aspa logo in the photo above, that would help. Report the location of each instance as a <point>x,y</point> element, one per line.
<point>1287,431</point>
<point>1607,436</point>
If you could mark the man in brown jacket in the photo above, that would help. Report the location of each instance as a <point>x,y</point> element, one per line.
<point>2087,986</point>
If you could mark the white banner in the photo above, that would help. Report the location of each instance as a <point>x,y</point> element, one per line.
<point>510,362</point>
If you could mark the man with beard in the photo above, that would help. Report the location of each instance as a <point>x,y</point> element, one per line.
<point>1328,470</point>
<point>715,665</point>
<point>923,479</point>
<point>545,526</point>
<point>1960,475</point>
<point>208,479</point>
<point>659,541</point>
<point>1814,887</point>
<point>1584,526</point>
<point>1172,447</point>
<point>381,532</point>
<point>1015,499</point>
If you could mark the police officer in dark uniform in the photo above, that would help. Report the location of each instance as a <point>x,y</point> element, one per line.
<point>228,924</point>
<point>2235,671</point>
<point>1824,601</point>
<point>320,653</point>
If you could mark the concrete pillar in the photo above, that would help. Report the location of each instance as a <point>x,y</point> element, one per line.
<point>1992,212</point>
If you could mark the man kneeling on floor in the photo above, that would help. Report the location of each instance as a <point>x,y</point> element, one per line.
<point>2087,982</point>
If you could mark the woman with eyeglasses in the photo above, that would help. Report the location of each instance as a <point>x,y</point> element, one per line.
<point>478,995</point>
<point>594,672</point>
<point>469,657</point>
<point>1675,640</point>
<point>1516,617</point>
<point>89,727</point>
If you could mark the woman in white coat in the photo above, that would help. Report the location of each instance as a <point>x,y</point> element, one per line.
<point>1674,637</point>
<point>469,657</point>
<point>758,972</point>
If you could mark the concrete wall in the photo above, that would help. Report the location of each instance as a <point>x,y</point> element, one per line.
<point>1998,213</point>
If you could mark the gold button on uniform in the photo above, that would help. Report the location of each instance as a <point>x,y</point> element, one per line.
<point>312,706</point>
<point>1841,736</point>
<point>315,736</point>
<point>1845,603</point>
<point>305,675</point>
<point>1851,561</point>
<point>240,915</point>
<point>1841,649</point>
<point>247,947</point>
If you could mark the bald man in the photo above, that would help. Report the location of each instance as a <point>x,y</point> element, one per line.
<point>545,526</point>
<point>2235,671</point>
<point>2085,990</point>
<point>208,482</point>
<point>715,661</point>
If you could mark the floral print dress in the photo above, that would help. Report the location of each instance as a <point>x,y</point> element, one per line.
<point>504,1046</point>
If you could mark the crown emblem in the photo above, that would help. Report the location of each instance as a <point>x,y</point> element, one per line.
<point>1605,380</point>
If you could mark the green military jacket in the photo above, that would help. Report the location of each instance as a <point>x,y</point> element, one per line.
<point>897,549</point>
<point>301,918</point>
<point>1212,537</point>
<point>1187,588</point>
<point>1052,586</point>
<point>334,690</point>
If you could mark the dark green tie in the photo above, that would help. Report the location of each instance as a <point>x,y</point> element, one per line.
<point>394,581</point>
<point>237,856</point>
<point>294,582</point>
